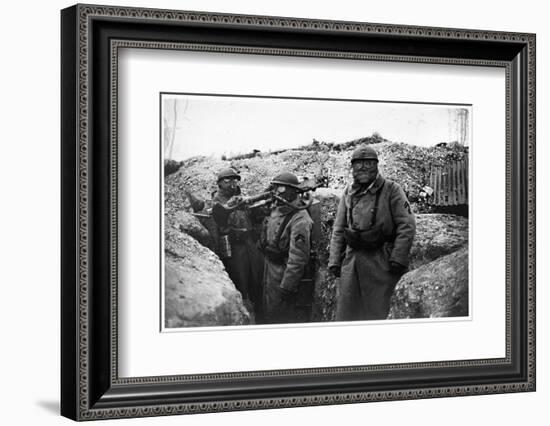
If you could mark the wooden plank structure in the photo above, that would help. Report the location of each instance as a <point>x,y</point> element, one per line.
<point>449,184</point>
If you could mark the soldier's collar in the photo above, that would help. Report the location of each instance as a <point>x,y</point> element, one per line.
<point>373,187</point>
<point>377,184</point>
<point>286,209</point>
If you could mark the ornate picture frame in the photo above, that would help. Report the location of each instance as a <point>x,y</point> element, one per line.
<point>92,37</point>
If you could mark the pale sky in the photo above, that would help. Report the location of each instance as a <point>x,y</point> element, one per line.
<point>216,125</point>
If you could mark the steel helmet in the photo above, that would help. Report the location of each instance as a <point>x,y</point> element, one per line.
<point>364,152</point>
<point>228,173</point>
<point>287,179</point>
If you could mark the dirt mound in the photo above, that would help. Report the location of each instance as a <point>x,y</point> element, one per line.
<point>189,224</point>
<point>408,165</point>
<point>171,166</point>
<point>434,290</point>
<point>437,235</point>
<point>198,291</point>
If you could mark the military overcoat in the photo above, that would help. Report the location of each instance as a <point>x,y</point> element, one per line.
<point>285,276</point>
<point>367,281</point>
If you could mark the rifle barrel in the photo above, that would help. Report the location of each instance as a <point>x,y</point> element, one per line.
<point>255,198</point>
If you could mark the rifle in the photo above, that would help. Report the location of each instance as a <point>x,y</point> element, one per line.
<point>220,212</point>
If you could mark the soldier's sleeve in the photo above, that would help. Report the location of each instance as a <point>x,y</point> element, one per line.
<point>337,242</point>
<point>405,225</point>
<point>298,253</point>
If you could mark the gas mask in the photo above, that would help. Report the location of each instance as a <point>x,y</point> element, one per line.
<point>229,187</point>
<point>286,193</point>
<point>364,171</point>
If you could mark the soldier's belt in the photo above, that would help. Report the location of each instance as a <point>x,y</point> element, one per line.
<point>367,240</point>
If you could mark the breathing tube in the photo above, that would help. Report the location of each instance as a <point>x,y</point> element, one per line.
<point>288,203</point>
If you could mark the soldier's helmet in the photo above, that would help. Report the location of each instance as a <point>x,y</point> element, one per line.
<point>287,179</point>
<point>364,152</point>
<point>228,173</point>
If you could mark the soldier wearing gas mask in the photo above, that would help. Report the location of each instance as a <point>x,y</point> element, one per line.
<point>286,240</point>
<point>371,239</point>
<point>238,242</point>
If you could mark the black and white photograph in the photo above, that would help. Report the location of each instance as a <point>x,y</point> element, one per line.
<point>282,211</point>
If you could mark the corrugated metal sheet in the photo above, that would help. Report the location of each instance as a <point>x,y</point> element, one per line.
<point>449,184</point>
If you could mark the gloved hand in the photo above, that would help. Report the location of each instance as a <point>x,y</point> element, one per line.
<point>335,271</point>
<point>397,268</point>
<point>286,295</point>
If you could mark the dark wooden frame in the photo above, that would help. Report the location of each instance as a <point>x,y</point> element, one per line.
<point>90,387</point>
